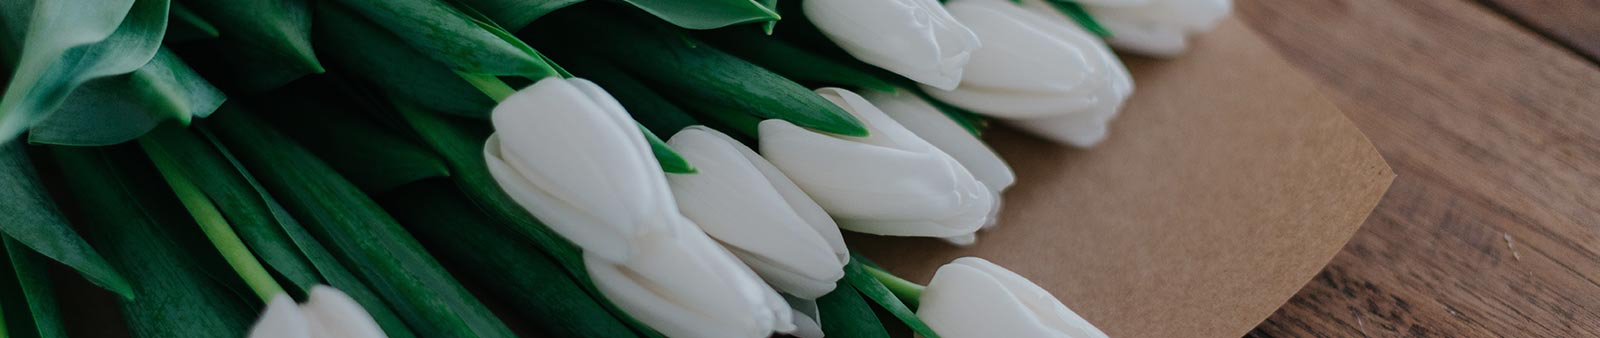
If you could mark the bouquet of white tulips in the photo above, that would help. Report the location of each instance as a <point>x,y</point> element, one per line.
<point>561,168</point>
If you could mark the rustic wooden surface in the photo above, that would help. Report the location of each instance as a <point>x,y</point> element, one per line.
<point>1489,112</point>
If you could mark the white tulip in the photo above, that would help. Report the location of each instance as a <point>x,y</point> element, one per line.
<point>1157,27</point>
<point>973,298</point>
<point>939,129</point>
<point>683,284</point>
<point>807,317</point>
<point>749,206</point>
<point>1040,73</point>
<point>327,313</point>
<point>917,39</point>
<point>567,151</point>
<point>890,182</point>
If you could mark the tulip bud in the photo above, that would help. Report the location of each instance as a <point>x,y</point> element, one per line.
<point>328,313</point>
<point>745,203</point>
<point>568,152</point>
<point>1157,27</point>
<point>938,129</point>
<point>917,39</point>
<point>683,284</point>
<point>1040,73</point>
<point>807,315</point>
<point>973,298</point>
<point>887,183</point>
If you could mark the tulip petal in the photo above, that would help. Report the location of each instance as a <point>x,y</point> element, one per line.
<point>1158,27</point>
<point>570,154</point>
<point>1036,66</point>
<point>1042,72</point>
<point>917,39</point>
<point>806,316</point>
<point>971,297</point>
<point>1083,129</point>
<point>602,241</point>
<point>801,203</point>
<point>1185,15</point>
<point>282,319</point>
<point>1047,307</point>
<point>888,183</point>
<point>736,203</point>
<point>334,314</point>
<point>684,285</point>
<point>938,129</point>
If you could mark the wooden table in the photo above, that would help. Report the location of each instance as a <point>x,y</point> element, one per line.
<point>1489,112</point>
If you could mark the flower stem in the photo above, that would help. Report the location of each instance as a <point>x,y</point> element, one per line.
<point>489,85</point>
<point>907,291</point>
<point>213,224</point>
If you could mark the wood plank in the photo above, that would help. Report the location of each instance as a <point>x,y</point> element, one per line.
<point>1490,226</point>
<point>1575,24</point>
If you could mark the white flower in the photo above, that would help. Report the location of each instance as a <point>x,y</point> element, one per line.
<point>1156,27</point>
<point>569,153</point>
<point>938,129</point>
<point>744,202</point>
<point>807,317</point>
<point>973,298</point>
<point>327,313</point>
<point>1040,73</point>
<point>888,183</point>
<point>914,38</point>
<point>683,284</point>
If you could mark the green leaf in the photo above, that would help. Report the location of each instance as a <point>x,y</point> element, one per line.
<point>360,233</point>
<point>210,220</point>
<point>369,155</point>
<point>856,274</point>
<point>669,159</point>
<point>446,34</point>
<point>184,25</point>
<point>1080,15</point>
<point>653,111</point>
<point>771,5</point>
<point>117,109</point>
<point>33,220</point>
<point>33,280</point>
<point>126,209</point>
<point>792,62</point>
<point>14,310</point>
<point>298,238</point>
<point>688,71</point>
<point>240,204</point>
<point>461,145</point>
<point>264,44</point>
<point>68,42</point>
<point>360,48</point>
<point>451,226</point>
<point>516,14</point>
<point>846,315</point>
<point>708,14</point>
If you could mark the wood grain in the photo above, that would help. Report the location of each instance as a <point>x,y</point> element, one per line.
<point>1490,228</point>
<point>1574,24</point>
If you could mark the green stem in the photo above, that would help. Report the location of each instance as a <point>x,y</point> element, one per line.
<point>907,291</point>
<point>489,85</point>
<point>213,224</point>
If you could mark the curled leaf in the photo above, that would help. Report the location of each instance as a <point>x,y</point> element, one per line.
<point>68,42</point>
<point>116,109</point>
